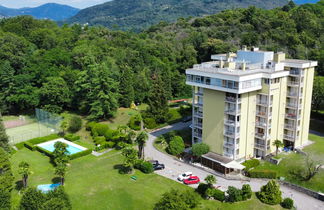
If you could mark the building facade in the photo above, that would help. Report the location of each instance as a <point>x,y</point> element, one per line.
<point>244,101</point>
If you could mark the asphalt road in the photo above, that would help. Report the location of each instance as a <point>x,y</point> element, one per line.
<point>175,167</point>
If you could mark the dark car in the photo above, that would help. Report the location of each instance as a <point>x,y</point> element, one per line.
<point>157,165</point>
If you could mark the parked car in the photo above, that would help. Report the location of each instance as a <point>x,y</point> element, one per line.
<point>192,180</point>
<point>157,165</point>
<point>184,176</point>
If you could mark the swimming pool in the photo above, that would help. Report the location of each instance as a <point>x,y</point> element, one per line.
<point>72,148</point>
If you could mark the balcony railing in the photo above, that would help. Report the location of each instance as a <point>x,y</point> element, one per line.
<point>198,135</point>
<point>199,94</point>
<point>262,136</point>
<point>289,137</point>
<point>291,116</point>
<point>263,114</point>
<point>261,124</point>
<point>198,104</point>
<point>199,125</point>
<point>232,99</point>
<point>259,146</point>
<point>293,83</point>
<point>232,111</point>
<point>263,103</point>
<point>230,134</point>
<point>231,123</point>
<point>292,105</point>
<point>229,154</point>
<point>198,114</point>
<point>231,145</point>
<point>294,94</point>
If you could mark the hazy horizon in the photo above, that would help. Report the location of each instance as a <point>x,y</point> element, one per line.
<point>35,3</point>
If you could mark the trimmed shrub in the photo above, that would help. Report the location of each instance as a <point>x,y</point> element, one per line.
<point>112,135</point>
<point>251,164</point>
<point>121,145</point>
<point>234,194</point>
<point>29,145</point>
<point>110,144</point>
<point>71,137</point>
<point>287,203</point>
<point>269,174</point>
<point>75,124</point>
<point>200,149</point>
<point>135,122</point>
<point>173,115</point>
<point>270,193</point>
<point>144,166</point>
<point>81,154</point>
<point>202,188</point>
<point>90,125</point>
<point>246,191</point>
<point>99,140</point>
<point>150,123</point>
<point>216,194</point>
<point>99,129</point>
<point>105,145</point>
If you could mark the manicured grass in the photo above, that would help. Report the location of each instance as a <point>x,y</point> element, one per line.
<point>293,160</point>
<point>94,183</point>
<point>122,117</point>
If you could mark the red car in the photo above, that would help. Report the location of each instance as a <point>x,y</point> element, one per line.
<point>192,180</point>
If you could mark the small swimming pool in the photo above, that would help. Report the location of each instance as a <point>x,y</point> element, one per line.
<point>72,148</point>
<point>45,188</point>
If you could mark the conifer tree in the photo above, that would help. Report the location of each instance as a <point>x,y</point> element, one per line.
<point>4,139</point>
<point>158,101</point>
<point>126,89</point>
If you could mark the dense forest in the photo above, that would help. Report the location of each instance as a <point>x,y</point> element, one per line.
<point>140,14</point>
<point>93,70</point>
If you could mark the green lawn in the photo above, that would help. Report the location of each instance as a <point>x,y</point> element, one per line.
<point>293,160</point>
<point>94,183</point>
<point>316,125</point>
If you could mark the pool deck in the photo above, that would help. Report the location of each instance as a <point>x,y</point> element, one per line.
<point>63,141</point>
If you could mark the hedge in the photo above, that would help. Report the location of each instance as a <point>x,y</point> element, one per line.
<point>29,145</point>
<point>43,139</point>
<point>144,166</point>
<point>20,145</point>
<point>263,174</point>
<point>287,203</point>
<point>71,137</point>
<point>81,154</point>
<point>44,151</point>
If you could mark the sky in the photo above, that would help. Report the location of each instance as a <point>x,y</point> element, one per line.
<point>34,3</point>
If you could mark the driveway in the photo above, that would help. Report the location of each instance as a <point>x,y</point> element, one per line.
<point>173,168</point>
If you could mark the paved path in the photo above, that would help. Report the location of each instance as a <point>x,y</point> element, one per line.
<point>175,167</point>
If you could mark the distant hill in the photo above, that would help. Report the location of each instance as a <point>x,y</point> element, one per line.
<point>47,11</point>
<point>140,14</point>
<point>305,1</point>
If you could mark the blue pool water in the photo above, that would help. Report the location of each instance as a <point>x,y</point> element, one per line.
<point>71,149</point>
<point>47,187</point>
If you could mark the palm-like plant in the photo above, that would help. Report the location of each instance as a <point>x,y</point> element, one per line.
<point>24,172</point>
<point>141,140</point>
<point>210,180</point>
<point>278,144</point>
<point>60,170</point>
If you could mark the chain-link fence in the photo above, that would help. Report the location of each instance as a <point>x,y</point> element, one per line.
<point>44,124</point>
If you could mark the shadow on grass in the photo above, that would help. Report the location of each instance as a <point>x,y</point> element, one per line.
<point>122,169</point>
<point>56,180</point>
<point>19,185</point>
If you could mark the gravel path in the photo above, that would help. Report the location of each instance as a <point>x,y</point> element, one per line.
<point>175,167</point>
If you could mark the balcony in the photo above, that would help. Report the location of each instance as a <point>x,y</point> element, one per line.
<point>199,93</point>
<point>198,125</point>
<point>292,105</point>
<point>231,145</point>
<point>229,154</point>
<point>294,94</point>
<point>263,114</point>
<point>259,146</point>
<point>262,124</point>
<point>294,84</point>
<point>229,99</point>
<point>198,114</point>
<point>292,116</point>
<point>289,137</point>
<point>232,111</point>
<point>231,123</point>
<point>262,136</point>
<point>263,103</point>
<point>197,135</point>
<point>230,134</point>
<point>199,104</point>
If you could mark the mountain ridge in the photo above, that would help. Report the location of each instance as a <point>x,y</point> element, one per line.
<point>138,15</point>
<point>51,11</point>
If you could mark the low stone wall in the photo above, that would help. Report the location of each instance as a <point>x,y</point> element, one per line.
<point>319,196</point>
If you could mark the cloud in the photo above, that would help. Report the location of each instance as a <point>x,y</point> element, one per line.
<point>34,3</point>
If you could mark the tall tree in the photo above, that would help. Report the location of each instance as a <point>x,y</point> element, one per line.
<point>98,91</point>
<point>141,140</point>
<point>318,93</point>
<point>6,85</point>
<point>126,90</point>
<point>60,153</point>
<point>4,139</point>
<point>130,157</point>
<point>6,179</point>
<point>158,99</point>
<point>24,171</point>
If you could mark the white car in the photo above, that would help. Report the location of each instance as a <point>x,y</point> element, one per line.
<point>184,176</point>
